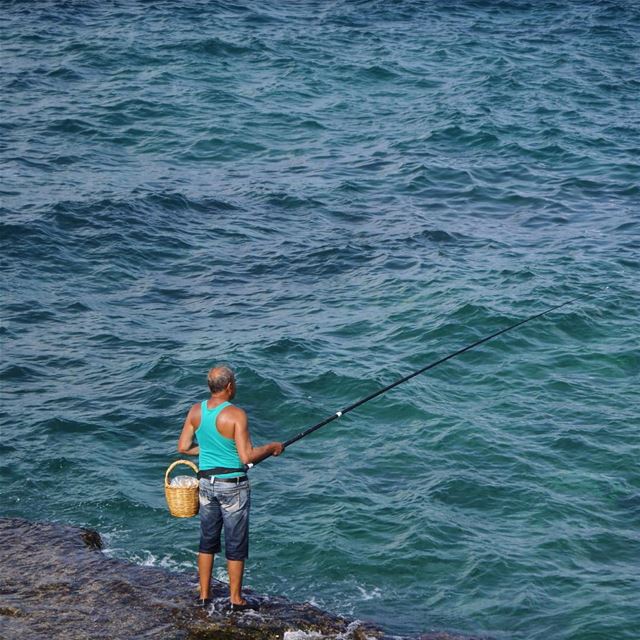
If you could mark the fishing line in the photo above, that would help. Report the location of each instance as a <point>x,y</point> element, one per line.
<point>375,394</point>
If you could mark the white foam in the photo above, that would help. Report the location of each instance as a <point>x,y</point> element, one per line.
<point>374,594</point>
<point>351,628</point>
<point>301,635</point>
<point>147,559</point>
<point>348,634</point>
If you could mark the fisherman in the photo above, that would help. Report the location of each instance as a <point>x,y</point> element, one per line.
<point>224,446</point>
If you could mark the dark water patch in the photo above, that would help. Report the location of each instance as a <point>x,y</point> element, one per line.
<point>437,236</point>
<point>61,427</point>
<point>64,73</point>
<point>17,373</point>
<point>61,360</point>
<point>459,135</point>
<point>29,311</point>
<point>544,220</point>
<point>74,126</point>
<point>218,47</point>
<point>378,73</point>
<point>266,17</point>
<point>221,149</point>
<point>164,367</point>
<point>27,163</point>
<point>312,124</point>
<point>631,504</point>
<point>108,223</point>
<point>130,110</point>
<point>320,261</point>
<point>293,347</point>
<point>291,201</point>
<point>24,82</point>
<point>60,465</point>
<point>78,307</point>
<point>346,386</point>
<point>630,226</point>
<point>65,160</point>
<point>178,202</point>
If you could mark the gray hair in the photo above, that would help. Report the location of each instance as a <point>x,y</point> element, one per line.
<point>219,377</point>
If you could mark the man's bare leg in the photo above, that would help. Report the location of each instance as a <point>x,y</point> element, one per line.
<point>236,571</point>
<point>205,567</point>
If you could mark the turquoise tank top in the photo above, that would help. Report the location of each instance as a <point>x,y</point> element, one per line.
<point>215,449</point>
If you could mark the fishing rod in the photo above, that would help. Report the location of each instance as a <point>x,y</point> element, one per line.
<point>375,394</point>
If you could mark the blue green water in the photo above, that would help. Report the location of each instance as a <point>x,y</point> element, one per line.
<point>329,195</point>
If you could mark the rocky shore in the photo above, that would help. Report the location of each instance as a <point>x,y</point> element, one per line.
<point>55,582</point>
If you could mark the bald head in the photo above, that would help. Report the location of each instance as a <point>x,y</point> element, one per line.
<point>219,378</point>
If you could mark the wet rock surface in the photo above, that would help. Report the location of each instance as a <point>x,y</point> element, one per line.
<point>55,582</point>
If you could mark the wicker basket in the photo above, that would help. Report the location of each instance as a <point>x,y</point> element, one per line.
<point>183,502</point>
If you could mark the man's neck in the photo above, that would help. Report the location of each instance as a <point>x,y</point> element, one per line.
<point>218,398</point>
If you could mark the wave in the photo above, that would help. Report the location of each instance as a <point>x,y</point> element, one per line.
<point>219,47</point>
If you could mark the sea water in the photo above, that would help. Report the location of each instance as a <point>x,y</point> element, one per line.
<point>328,196</point>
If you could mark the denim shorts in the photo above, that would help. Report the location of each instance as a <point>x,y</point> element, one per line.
<point>225,504</point>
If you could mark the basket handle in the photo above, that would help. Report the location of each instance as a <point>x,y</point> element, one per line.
<point>175,464</point>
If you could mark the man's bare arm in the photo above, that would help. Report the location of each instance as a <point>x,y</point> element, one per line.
<point>191,423</point>
<point>246,451</point>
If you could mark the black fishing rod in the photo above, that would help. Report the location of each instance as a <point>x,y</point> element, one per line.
<point>375,394</point>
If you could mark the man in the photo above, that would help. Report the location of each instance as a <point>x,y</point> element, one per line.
<point>224,447</point>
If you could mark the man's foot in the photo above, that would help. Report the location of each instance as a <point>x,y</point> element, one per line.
<point>203,602</point>
<point>244,606</point>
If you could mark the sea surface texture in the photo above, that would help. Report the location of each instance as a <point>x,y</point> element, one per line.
<point>328,196</point>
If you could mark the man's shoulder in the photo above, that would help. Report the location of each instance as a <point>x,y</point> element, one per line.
<point>234,410</point>
<point>195,413</point>
<point>233,416</point>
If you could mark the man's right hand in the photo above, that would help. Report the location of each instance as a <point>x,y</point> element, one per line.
<point>276,448</point>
